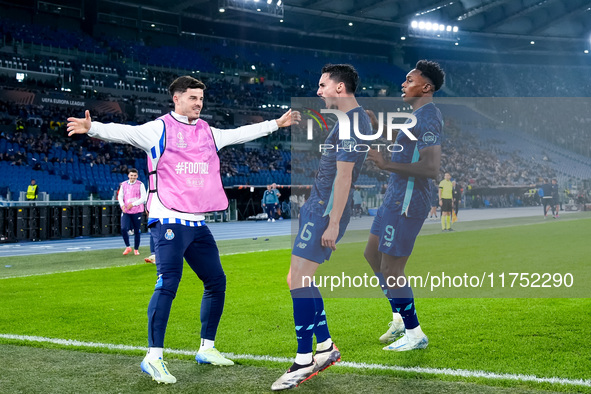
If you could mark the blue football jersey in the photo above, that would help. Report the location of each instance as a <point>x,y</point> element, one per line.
<point>411,195</point>
<point>322,194</point>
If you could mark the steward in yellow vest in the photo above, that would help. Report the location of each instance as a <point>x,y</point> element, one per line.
<point>32,190</point>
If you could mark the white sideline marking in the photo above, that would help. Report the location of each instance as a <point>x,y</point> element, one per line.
<point>120,266</point>
<point>66,271</point>
<point>435,371</point>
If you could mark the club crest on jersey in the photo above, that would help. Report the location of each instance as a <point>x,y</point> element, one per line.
<point>181,140</point>
<point>429,138</point>
<point>169,235</point>
<point>349,145</point>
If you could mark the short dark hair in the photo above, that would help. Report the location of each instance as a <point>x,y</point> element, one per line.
<point>181,84</point>
<point>432,71</point>
<point>132,170</point>
<point>345,73</point>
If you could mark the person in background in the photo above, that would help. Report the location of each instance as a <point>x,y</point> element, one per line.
<point>457,198</point>
<point>278,194</point>
<point>434,200</point>
<point>270,202</point>
<point>32,191</point>
<point>132,197</point>
<point>357,202</point>
<point>446,202</point>
<point>555,197</point>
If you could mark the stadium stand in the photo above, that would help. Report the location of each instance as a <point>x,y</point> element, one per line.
<point>247,82</point>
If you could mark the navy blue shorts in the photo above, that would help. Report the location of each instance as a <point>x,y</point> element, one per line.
<point>308,241</point>
<point>397,233</point>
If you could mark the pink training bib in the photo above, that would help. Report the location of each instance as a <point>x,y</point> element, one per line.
<point>132,193</point>
<point>187,177</point>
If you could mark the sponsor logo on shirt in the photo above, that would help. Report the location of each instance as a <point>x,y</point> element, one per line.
<point>429,138</point>
<point>181,140</point>
<point>349,144</point>
<point>195,182</point>
<point>189,167</point>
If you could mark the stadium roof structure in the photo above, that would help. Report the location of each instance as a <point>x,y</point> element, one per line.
<point>374,27</point>
<point>498,25</point>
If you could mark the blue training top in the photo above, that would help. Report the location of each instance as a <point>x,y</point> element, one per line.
<point>270,197</point>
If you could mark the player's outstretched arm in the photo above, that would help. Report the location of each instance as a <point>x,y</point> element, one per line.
<point>252,132</point>
<point>79,125</point>
<point>289,118</point>
<point>143,136</point>
<point>427,166</point>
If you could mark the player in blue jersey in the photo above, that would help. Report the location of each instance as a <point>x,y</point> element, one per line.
<point>407,204</point>
<point>323,220</point>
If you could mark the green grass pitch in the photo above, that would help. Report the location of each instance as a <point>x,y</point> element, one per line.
<point>104,300</point>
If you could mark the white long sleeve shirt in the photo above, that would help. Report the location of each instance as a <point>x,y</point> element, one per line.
<point>139,201</point>
<point>148,136</point>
